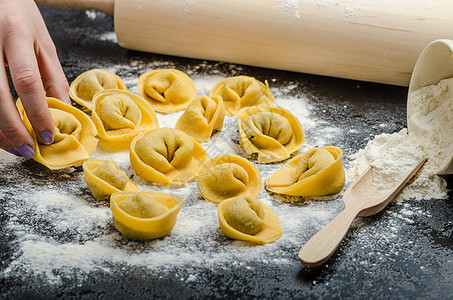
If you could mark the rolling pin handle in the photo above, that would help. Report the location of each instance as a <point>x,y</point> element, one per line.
<point>106,6</point>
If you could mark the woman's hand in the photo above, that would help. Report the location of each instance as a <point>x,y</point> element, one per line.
<point>28,50</point>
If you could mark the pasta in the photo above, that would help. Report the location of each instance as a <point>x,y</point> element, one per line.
<point>271,132</point>
<point>144,215</point>
<point>242,91</point>
<point>104,177</point>
<point>87,84</point>
<point>121,115</point>
<point>167,156</point>
<point>167,90</point>
<point>75,136</point>
<point>246,218</point>
<point>228,176</point>
<point>317,172</point>
<point>203,115</point>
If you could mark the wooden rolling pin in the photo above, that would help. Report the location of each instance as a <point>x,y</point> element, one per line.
<point>375,41</point>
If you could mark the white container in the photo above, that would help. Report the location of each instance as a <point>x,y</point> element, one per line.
<point>434,64</point>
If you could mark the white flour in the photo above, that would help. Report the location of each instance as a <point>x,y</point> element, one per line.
<point>430,112</point>
<point>61,231</point>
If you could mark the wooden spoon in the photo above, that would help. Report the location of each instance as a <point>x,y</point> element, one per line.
<point>361,198</point>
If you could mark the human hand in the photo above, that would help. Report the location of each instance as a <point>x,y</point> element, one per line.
<point>28,50</point>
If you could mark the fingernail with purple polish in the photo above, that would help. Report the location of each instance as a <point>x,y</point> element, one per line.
<point>26,151</point>
<point>46,137</point>
<point>15,152</point>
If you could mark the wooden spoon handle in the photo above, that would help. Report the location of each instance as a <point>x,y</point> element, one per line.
<point>105,6</point>
<point>323,244</point>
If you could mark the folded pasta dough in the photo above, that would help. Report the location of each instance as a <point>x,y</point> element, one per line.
<point>75,136</point>
<point>203,115</point>
<point>167,156</point>
<point>121,115</point>
<point>167,90</point>
<point>248,219</point>
<point>228,176</point>
<point>144,215</point>
<point>104,177</point>
<point>242,91</point>
<point>87,84</point>
<point>271,132</point>
<point>317,172</point>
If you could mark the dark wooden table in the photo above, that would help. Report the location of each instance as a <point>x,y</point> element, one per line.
<point>418,265</point>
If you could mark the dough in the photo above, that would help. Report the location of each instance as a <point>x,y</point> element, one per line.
<point>104,177</point>
<point>144,215</point>
<point>242,91</point>
<point>317,172</point>
<point>201,117</point>
<point>271,132</point>
<point>228,176</point>
<point>167,90</point>
<point>75,136</point>
<point>246,218</point>
<point>167,156</point>
<point>143,205</point>
<point>87,84</point>
<point>121,115</point>
<point>245,214</point>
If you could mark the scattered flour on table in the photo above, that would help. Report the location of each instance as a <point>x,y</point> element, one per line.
<point>61,231</point>
<point>430,120</point>
<point>109,36</point>
<point>91,14</point>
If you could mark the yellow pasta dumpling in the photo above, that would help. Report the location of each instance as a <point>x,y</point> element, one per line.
<point>201,117</point>
<point>242,91</point>
<point>317,172</point>
<point>167,156</point>
<point>87,84</point>
<point>271,132</point>
<point>144,215</point>
<point>121,115</point>
<point>248,219</point>
<point>104,177</point>
<point>228,176</point>
<point>75,136</point>
<point>167,90</point>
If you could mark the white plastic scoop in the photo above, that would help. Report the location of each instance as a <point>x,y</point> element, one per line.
<point>361,198</point>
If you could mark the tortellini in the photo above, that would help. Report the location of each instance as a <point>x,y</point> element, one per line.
<point>271,132</point>
<point>144,215</point>
<point>121,115</point>
<point>104,177</point>
<point>246,218</point>
<point>228,176</point>
<point>317,172</point>
<point>167,156</point>
<point>75,136</point>
<point>167,90</point>
<point>87,84</point>
<point>242,91</point>
<point>201,117</point>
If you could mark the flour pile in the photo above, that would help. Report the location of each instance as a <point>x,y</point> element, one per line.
<point>430,121</point>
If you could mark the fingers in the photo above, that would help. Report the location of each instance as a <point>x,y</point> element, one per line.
<point>6,145</point>
<point>14,136</point>
<point>28,50</point>
<point>53,77</point>
<point>27,81</point>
